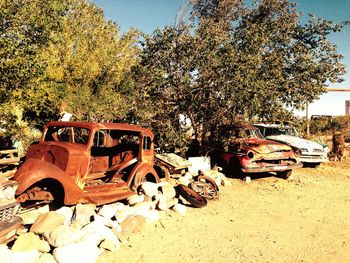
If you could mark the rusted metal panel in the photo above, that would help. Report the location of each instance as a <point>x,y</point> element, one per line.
<point>249,152</point>
<point>88,162</point>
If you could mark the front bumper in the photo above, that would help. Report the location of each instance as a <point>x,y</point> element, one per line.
<point>9,228</point>
<point>312,158</point>
<point>9,222</point>
<point>270,168</point>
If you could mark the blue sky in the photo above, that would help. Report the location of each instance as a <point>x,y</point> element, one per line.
<point>147,15</point>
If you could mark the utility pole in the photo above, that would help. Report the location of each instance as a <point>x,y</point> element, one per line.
<point>307,120</point>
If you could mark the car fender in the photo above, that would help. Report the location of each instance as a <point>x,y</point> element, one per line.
<point>141,170</point>
<point>35,170</point>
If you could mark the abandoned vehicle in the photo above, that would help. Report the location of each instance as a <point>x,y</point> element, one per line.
<point>241,150</point>
<point>312,153</point>
<point>82,162</point>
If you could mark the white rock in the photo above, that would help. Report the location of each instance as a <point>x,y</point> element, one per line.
<point>46,222</point>
<point>184,181</point>
<point>121,215</point>
<point>188,176</point>
<point>167,189</point>
<point>150,205</point>
<point>46,258</point>
<point>134,199</point>
<point>150,215</point>
<point>62,236</point>
<point>179,208</point>
<point>31,256</point>
<point>5,253</point>
<point>107,222</point>
<point>29,217</point>
<point>247,179</point>
<point>67,213</point>
<point>77,252</point>
<point>149,188</point>
<point>219,178</point>
<point>28,242</point>
<point>96,232</point>
<point>107,211</point>
<point>84,212</point>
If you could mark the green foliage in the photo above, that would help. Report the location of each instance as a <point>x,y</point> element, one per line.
<point>90,60</point>
<point>235,61</point>
<point>184,81</point>
<point>55,52</point>
<point>26,27</point>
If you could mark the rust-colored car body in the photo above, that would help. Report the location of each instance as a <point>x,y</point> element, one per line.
<point>247,152</point>
<point>83,162</point>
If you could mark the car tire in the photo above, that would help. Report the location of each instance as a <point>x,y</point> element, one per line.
<point>284,174</point>
<point>205,186</point>
<point>191,196</point>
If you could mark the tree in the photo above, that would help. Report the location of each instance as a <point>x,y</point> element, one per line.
<point>234,61</point>
<point>55,52</point>
<point>88,62</point>
<point>26,27</point>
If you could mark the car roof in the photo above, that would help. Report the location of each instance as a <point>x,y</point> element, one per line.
<point>102,125</point>
<point>272,125</point>
<point>238,126</point>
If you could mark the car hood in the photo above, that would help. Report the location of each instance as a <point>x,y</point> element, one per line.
<point>296,141</point>
<point>266,146</point>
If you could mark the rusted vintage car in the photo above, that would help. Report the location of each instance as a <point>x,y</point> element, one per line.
<point>312,153</point>
<point>242,150</point>
<point>9,208</point>
<point>81,162</point>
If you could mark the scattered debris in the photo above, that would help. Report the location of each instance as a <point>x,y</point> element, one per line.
<point>174,163</point>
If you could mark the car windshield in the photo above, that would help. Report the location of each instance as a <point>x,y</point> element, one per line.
<point>237,133</point>
<point>67,134</point>
<point>280,131</point>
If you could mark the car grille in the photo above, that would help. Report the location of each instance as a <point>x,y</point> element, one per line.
<point>8,211</point>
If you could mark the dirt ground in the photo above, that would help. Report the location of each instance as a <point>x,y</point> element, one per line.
<point>303,219</point>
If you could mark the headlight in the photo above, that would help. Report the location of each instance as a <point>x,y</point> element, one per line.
<point>250,155</point>
<point>8,190</point>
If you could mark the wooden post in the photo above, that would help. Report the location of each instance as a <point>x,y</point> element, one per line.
<point>307,120</point>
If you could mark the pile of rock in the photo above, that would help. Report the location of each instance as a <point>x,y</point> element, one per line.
<point>219,178</point>
<point>83,232</point>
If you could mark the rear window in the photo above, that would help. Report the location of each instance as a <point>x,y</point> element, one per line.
<point>67,134</point>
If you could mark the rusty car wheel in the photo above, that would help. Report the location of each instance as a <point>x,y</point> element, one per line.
<point>204,189</point>
<point>207,179</point>
<point>191,196</point>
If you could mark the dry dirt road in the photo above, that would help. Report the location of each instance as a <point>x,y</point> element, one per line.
<point>303,219</point>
